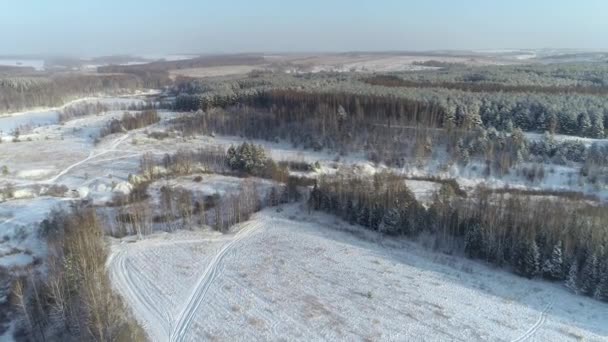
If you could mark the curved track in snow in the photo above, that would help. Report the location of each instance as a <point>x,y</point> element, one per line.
<point>197,295</point>
<point>161,323</point>
<point>534,328</point>
<point>158,322</point>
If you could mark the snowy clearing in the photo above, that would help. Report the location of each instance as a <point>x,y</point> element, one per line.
<point>296,276</point>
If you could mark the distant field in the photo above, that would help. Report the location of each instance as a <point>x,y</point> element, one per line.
<point>213,71</point>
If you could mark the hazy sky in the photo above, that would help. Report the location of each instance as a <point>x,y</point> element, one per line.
<point>94,27</point>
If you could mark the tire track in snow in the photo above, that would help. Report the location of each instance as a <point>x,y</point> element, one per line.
<point>195,299</point>
<point>534,328</point>
<point>160,322</point>
<point>91,156</point>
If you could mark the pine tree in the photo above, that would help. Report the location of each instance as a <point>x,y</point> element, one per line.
<point>553,268</point>
<point>528,259</point>
<point>335,207</point>
<point>533,260</point>
<point>376,215</point>
<point>231,158</point>
<point>584,124</point>
<point>273,197</point>
<point>284,197</point>
<point>589,275</point>
<point>572,279</point>
<point>601,292</point>
<point>315,198</point>
<point>597,129</point>
<point>349,212</point>
<point>363,215</point>
<point>390,221</point>
<point>473,240</point>
<point>325,203</point>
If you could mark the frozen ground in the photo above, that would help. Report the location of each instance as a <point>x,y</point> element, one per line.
<point>380,62</point>
<point>295,276</point>
<point>563,137</point>
<point>37,64</point>
<point>214,71</point>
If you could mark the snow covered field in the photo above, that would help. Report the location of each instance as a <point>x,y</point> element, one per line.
<point>37,64</point>
<point>295,276</point>
<point>289,275</point>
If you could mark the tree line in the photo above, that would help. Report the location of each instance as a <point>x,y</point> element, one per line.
<point>73,300</point>
<point>565,113</point>
<point>560,240</point>
<point>129,122</point>
<point>19,93</point>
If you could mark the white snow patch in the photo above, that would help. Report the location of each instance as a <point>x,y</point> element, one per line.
<point>123,188</point>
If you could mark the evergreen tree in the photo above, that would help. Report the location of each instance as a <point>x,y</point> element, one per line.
<point>528,259</point>
<point>601,291</point>
<point>349,212</point>
<point>553,268</point>
<point>314,200</point>
<point>589,275</point>
<point>325,204</point>
<point>533,260</point>
<point>390,222</point>
<point>572,279</point>
<point>584,124</point>
<point>363,214</point>
<point>509,126</point>
<point>334,205</point>
<point>273,197</point>
<point>232,158</point>
<point>473,240</point>
<point>376,215</point>
<point>284,197</point>
<point>597,129</point>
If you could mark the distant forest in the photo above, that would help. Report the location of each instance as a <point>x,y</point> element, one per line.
<point>19,93</point>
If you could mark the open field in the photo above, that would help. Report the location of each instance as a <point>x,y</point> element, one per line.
<point>298,276</point>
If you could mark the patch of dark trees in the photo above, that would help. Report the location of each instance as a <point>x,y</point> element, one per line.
<point>395,81</point>
<point>129,122</point>
<point>18,93</point>
<point>560,240</point>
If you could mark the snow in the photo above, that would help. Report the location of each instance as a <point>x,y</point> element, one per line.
<point>296,276</point>
<point>19,220</point>
<point>33,119</point>
<point>210,184</point>
<point>16,260</point>
<point>123,188</point>
<point>563,137</point>
<point>37,64</point>
<point>34,174</point>
<point>50,116</point>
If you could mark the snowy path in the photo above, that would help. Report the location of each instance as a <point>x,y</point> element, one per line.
<point>91,156</point>
<point>142,293</point>
<point>128,278</point>
<point>211,272</point>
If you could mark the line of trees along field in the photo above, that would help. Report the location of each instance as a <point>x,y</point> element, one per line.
<point>395,81</point>
<point>560,240</point>
<point>389,129</point>
<point>572,113</point>
<point>73,300</point>
<point>19,93</point>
